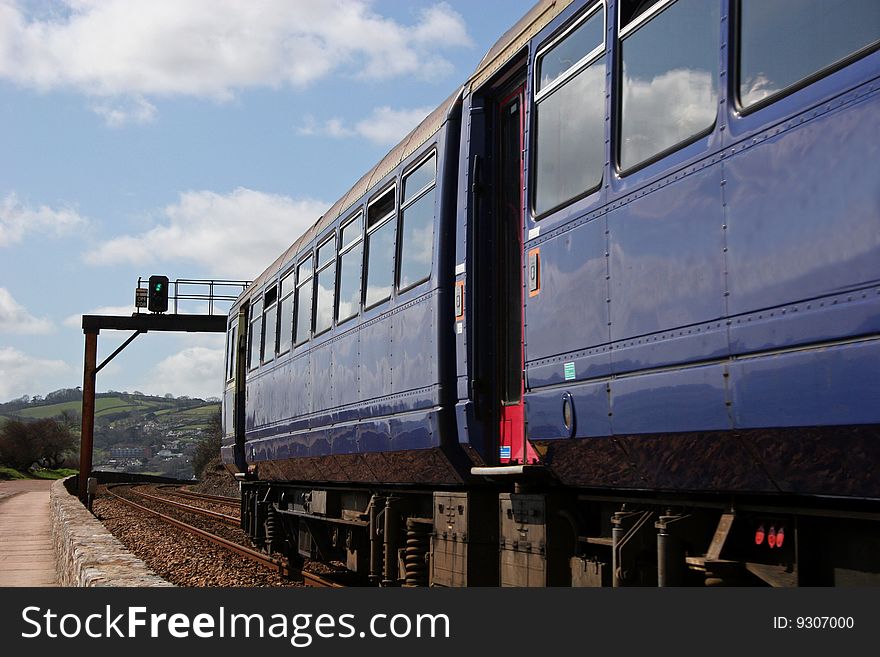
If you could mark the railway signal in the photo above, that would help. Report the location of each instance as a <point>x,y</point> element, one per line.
<point>158,294</point>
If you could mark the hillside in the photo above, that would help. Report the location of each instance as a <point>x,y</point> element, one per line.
<point>133,432</point>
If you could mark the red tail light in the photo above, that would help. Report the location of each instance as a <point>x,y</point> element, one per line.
<point>759,535</point>
<point>771,538</point>
<point>780,537</point>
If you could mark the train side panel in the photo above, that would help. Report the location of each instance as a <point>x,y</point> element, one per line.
<point>372,386</point>
<point>726,287</point>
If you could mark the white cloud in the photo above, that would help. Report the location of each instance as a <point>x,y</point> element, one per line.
<point>21,374</point>
<point>14,318</point>
<point>18,219</point>
<point>385,126</point>
<point>211,341</point>
<point>212,48</point>
<point>647,132</point>
<point>121,112</point>
<point>195,371</point>
<point>75,321</point>
<point>756,88</point>
<point>232,236</point>
<point>334,127</point>
<point>389,126</point>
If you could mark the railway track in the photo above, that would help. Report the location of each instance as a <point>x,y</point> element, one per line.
<point>235,521</point>
<point>279,565</point>
<point>221,499</point>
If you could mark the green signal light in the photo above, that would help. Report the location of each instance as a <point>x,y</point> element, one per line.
<point>158,294</point>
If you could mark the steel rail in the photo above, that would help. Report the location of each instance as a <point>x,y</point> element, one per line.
<point>222,499</point>
<point>235,521</point>
<point>309,579</point>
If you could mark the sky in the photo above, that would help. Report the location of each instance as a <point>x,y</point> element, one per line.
<point>195,139</point>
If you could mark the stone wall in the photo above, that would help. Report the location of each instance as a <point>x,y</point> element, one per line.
<point>87,554</point>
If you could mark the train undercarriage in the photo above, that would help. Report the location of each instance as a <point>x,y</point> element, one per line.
<point>533,535</point>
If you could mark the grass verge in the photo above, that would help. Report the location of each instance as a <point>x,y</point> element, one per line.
<point>60,473</point>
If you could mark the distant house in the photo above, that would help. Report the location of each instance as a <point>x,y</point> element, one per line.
<point>131,452</point>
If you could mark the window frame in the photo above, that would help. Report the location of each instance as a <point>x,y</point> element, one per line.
<point>644,17</point>
<point>539,94</point>
<point>267,356</point>
<point>232,348</point>
<point>254,318</point>
<point>579,65</point>
<point>735,38</point>
<point>291,273</point>
<point>296,311</point>
<point>316,274</point>
<point>343,250</point>
<point>415,198</point>
<point>371,230</point>
<point>617,95</point>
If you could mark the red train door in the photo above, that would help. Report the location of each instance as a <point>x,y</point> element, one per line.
<point>509,152</point>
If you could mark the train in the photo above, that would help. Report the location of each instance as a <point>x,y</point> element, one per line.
<point>609,316</point>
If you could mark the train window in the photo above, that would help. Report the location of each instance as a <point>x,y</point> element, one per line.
<point>255,339</point>
<point>287,284</point>
<point>420,179</point>
<point>570,108</point>
<point>270,323</point>
<point>783,42</point>
<point>285,314</point>
<point>669,77</point>
<point>304,271</point>
<point>629,10</point>
<point>325,285</point>
<point>303,321</point>
<point>380,249</point>
<point>380,208</point>
<point>327,251</point>
<point>574,47</point>
<point>231,352</point>
<point>350,265</point>
<point>352,231</point>
<point>417,225</point>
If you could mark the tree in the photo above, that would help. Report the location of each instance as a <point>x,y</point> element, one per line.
<point>44,442</point>
<point>53,440</point>
<point>70,419</point>
<point>208,447</point>
<point>64,395</point>
<point>17,448</point>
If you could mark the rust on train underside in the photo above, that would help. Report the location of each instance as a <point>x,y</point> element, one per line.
<point>828,461</point>
<point>424,466</point>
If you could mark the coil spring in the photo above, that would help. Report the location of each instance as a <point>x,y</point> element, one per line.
<point>415,553</point>
<point>272,529</point>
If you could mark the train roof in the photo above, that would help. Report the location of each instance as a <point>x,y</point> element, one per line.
<point>422,133</point>
<point>510,43</point>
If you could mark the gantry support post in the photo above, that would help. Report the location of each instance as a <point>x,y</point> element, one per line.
<point>88,411</point>
<point>139,323</point>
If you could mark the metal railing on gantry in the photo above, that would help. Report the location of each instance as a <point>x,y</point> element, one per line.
<point>209,292</point>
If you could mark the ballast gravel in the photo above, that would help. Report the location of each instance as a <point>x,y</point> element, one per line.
<point>179,557</point>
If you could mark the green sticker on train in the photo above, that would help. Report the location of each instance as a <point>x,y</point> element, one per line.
<point>569,371</point>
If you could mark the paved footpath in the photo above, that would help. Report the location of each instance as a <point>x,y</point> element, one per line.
<point>27,557</point>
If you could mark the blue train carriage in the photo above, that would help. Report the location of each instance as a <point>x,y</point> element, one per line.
<point>338,370</point>
<point>651,317</point>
